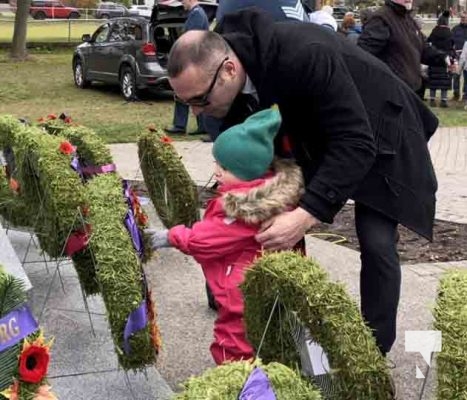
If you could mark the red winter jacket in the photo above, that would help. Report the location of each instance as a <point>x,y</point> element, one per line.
<point>224,244</point>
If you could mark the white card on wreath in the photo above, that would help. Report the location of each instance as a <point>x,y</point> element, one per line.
<point>319,359</point>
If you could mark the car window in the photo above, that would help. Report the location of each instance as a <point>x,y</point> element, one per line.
<point>101,34</point>
<point>134,32</point>
<point>117,32</point>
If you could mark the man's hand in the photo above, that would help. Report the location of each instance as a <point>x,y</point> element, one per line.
<point>285,230</point>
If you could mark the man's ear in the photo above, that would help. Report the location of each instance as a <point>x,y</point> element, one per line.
<point>231,68</point>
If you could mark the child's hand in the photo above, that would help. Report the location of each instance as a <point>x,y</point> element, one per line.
<point>158,239</point>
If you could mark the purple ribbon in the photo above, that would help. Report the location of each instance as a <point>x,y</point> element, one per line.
<point>15,326</point>
<point>91,169</point>
<point>257,387</point>
<point>130,223</point>
<point>136,321</point>
<point>103,169</point>
<point>75,164</point>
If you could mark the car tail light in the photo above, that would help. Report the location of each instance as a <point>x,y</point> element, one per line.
<point>149,49</point>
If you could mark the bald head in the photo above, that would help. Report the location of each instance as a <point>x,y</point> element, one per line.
<point>200,48</point>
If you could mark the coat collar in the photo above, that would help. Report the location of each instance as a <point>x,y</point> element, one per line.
<point>256,201</point>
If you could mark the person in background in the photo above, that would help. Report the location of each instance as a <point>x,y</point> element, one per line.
<point>280,10</point>
<point>392,35</point>
<point>196,20</point>
<point>440,77</point>
<point>463,68</point>
<point>324,18</point>
<point>459,36</point>
<point>349,28</point>
<point>252,188</point>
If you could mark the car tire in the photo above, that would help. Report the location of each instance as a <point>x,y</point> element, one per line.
<point>74,15</point>
<point>40,15</point>
<point>79,76</point>
<point>128,84</point>
<point>105,16</point>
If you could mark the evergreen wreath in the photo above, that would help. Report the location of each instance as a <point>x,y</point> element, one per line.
<point>226,382</point>
<point>119,271</point>
<point>170,187</point>
<point>24,364</point>
<point>451,319</point>
<point>13,207</point>
<point>359,371</point>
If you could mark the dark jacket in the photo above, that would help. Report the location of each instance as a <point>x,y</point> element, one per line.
<point>196,19</point>
<point>280,10</point>
<point>392,35</point>
<point>441,39</point>
<point>459,35</point>
<point>356,130</point>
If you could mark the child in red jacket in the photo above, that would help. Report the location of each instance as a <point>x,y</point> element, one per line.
<point>252,189</point>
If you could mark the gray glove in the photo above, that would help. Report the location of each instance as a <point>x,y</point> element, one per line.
<point>158,239</point>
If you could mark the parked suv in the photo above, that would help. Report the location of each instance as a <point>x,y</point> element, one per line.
<point>131,52</point>
<point>111,10</point>
<point>52,9</point>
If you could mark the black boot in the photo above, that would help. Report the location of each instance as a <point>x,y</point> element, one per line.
<point>444,103</point>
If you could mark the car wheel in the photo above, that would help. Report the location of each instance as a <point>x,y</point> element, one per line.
<point>128,84</point>
<point>105,16</point>
<point>39,15</point>
<point>78,74</point>
<point>74,15</point>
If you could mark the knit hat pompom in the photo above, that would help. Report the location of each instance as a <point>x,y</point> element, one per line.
<point>247,149</point>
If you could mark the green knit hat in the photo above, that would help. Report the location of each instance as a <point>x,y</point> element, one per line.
<point>247,149</point>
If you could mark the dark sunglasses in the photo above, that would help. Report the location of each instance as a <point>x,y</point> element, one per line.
<point>202,99</point>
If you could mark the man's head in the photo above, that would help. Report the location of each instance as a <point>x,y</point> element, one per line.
<point>408,4</point>
<point>205,73</point>
<point>464,18</point>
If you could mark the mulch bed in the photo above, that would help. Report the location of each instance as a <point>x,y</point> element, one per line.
<point>449,239</point>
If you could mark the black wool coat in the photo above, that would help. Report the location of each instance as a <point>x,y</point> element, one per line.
<point>441,38</point>
<point>356,130</point>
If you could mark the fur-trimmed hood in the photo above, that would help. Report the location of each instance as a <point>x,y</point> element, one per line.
<point>277,194</point>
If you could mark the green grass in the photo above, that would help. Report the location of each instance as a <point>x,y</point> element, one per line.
<point>36,88</point>
<point>45,85</point>
<point>51,30</point>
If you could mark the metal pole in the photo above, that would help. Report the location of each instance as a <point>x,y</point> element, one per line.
<point>69,30</point>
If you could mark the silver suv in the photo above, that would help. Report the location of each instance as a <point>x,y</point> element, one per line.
<point>108,10</point>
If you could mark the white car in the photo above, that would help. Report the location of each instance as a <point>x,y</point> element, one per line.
<point>142,11</point>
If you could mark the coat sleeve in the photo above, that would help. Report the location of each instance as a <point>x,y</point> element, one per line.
<point>375,36</point>
<point>463,58</point>
<point>327,86</point>
<point>211,238</point>
<point>194,21</point>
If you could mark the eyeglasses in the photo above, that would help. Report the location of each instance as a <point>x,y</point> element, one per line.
<point>202,99</point>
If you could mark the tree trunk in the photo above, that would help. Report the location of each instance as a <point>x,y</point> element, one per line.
<point>18,47</point>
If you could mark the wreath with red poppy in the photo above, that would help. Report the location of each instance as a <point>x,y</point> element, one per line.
<point>24,364</point>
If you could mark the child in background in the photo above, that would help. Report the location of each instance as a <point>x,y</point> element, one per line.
<point>252,189</point>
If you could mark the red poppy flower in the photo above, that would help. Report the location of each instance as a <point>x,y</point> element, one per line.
<point>67,120</point>
<point>33,363</point>
<point>166,139</point>
<point>14,185</point>
<point>152,128</point>
<point>142,219</point>
<point>67,148</point>
<point>41,120</point>
<point>51,116</point>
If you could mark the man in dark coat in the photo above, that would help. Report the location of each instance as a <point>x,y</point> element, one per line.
<point>392,35</point>
<point>459,35</point>
<point>356,130</point>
